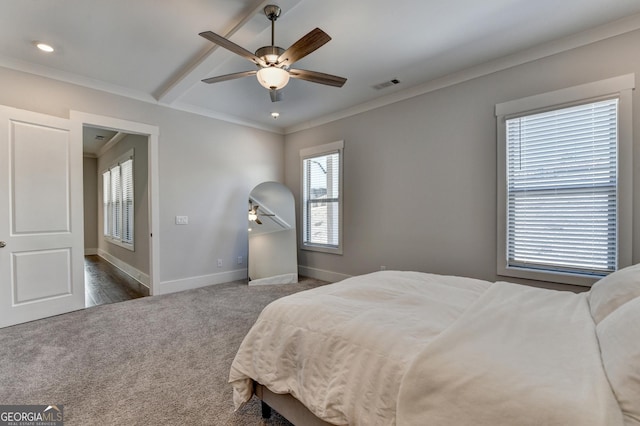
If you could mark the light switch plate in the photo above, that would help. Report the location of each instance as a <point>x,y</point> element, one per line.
<point>182,220</point>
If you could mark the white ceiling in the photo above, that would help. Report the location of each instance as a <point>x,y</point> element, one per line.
<point>94,139</point>
<point>150,49</point>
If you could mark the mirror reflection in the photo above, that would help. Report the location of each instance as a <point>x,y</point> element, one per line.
<point>272,235</point>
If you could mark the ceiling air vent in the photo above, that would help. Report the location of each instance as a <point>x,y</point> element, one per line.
<point>386,84</point>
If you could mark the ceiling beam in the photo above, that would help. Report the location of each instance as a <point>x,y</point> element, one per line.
<point>191,73</point>
<point>111,143</point>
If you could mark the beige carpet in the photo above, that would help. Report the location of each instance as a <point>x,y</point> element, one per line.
<point>160,360</point>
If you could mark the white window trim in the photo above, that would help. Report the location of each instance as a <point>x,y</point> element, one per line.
<point>314,152</point>
<point>620,87</point>
<point>118,242</point>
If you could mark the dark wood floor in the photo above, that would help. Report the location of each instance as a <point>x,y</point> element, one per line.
<point>104,283</point>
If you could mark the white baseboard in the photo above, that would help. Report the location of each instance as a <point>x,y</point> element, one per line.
<point>134,273</point>
<point>90,251</point>
<point>321,274</point>
<point>200,281</point>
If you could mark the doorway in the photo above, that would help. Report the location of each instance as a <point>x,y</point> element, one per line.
<point>119,268</point>
<point>116,219</point>
<point>41,264</point>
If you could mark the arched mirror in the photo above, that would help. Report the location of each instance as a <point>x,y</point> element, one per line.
<point>272,235</point>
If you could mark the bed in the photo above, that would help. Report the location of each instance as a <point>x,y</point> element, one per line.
<point>411,348</point>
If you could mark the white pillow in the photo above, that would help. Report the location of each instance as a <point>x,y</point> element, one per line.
<point>613,291</point>
<point>619,336</point>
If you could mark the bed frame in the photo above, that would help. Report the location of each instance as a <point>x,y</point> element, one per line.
<point>289,407</point>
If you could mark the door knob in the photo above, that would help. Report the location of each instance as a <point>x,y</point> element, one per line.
<point>2,244</point>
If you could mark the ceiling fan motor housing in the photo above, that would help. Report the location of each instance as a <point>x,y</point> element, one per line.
<point>269,54</point>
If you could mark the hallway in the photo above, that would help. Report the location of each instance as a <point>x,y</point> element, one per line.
<point>104,283</point>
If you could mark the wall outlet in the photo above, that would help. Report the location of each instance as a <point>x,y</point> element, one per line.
<point>182,220</point>
<point>219,263</point>
<point>239,260</point>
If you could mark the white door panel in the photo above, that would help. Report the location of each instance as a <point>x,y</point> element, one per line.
<point>41,224</point>
<point>31,269</point>
<point>32,195</point>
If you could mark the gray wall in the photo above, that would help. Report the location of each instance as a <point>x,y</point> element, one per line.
<point>90,174</point>
<point>420,175</point>
<point>139,257</point>
<point>206,169</point>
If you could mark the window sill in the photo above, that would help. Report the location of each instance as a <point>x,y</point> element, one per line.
<point>321,249</point>
<point>548,276</point>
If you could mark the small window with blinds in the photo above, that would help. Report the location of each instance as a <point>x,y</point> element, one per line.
<point>562,189</point>
<point>118,208</point>
<point>322,198</point>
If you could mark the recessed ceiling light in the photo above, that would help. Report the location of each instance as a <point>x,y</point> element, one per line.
<point>275,115</point>
<point>44,47</point>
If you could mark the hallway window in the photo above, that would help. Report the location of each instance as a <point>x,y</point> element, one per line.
<point>117,194</point>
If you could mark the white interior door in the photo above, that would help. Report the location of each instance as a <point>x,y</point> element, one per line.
<point>41,222</point>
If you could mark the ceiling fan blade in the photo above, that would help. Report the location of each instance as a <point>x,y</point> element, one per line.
<point>318,77</point>
<point>258,221</point>
<point>276,95</point>
<point>229,76</point>
<point>301,48</point>
<point>232,47</point>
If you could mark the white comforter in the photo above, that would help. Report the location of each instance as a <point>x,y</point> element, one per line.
<point>410,348</point>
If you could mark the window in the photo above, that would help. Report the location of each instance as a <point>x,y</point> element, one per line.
<point>563,185</point>
<point>322,198</point>
<point>117,194</point>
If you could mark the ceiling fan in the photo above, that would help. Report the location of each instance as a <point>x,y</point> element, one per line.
<point>253,213</point>
<point>273,62</point>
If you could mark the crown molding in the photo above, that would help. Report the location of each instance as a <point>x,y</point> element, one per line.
<point>78,80</point>
<point>593,35</point>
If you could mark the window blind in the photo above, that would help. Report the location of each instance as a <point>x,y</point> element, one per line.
<point>118,202</point>
<point>126,169</point>
<point>106,200</point>
<point>321,186</point>
<point>562,189</point>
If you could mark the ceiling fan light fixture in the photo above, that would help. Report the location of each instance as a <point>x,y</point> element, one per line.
<point>273,78</point>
